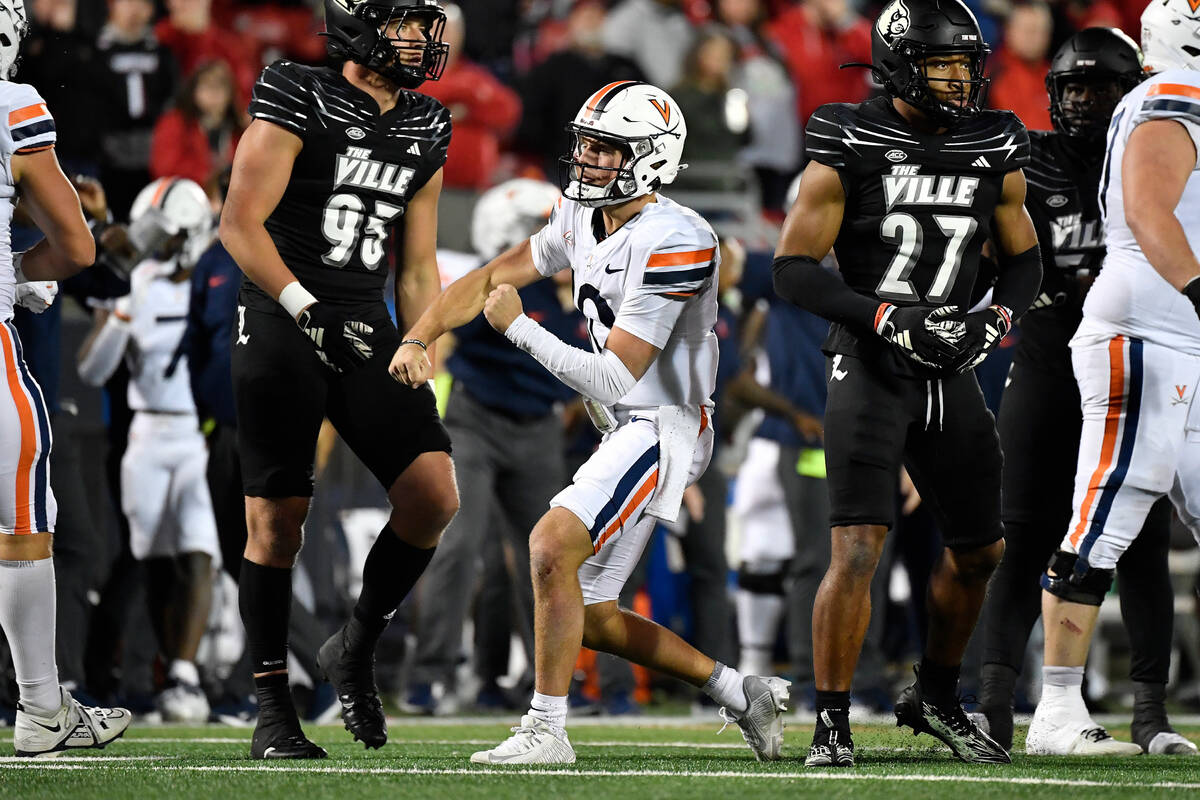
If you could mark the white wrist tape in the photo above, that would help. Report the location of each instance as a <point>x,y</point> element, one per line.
<point>601,376</point>
<point>295,298</point>
<point>102,359</point>
<point>16,262</point>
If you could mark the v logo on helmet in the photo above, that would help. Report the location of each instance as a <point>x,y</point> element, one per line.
<point>1195,4</point>
<point>665,108</point>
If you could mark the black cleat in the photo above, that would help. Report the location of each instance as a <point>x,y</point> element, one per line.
<point>832,745</point>
<point>353,678</point>
<point>949,723</point>
<point>282,739</point>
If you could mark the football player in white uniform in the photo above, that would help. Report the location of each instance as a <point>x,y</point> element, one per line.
<point>164,493</point>
<point>1136,357</point>
<point>48,720</point>
<point>645,277</point>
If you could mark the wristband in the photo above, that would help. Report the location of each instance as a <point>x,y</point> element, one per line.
<point>295,298</point>
<point>417,342</point>
<point>882,315</point>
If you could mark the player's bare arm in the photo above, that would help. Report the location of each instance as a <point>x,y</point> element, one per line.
<point>1159,158</point>
<point>1014,231</point>
<point>460,303</point>
<point>54,207</point>
<point>261,170</point>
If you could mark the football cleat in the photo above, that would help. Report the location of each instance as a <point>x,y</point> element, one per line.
<point>832,745</point>
<point>282,739</point>
<point>183,702</point>
<point>353,678</point>
<point>761,723</point>
<point>1170,743</point>
<point>949,723</point>
<point>534,741</point>
<point>73,726</point>
<point>1067,737</point>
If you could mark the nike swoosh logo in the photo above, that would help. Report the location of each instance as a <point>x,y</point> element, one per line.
<point>608,271</point>
<point>56,729</point>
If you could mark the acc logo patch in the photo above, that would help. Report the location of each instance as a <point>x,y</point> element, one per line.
<point>1057,201</point>
<point>893,21</point>
<point>895,155</point>
<point>356,133</point>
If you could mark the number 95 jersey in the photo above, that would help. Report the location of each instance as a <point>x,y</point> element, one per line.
<point>654,277</point>
<point>351,181</point>
<point>918,206</point>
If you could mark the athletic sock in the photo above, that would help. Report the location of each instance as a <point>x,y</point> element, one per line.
<point>938,681</point>
<point>758,617</point>
<point>1063,687</point>
<point>724,686</point>
<point>27,611</point>
<point>998,686</point>
<point>392,568</point>
<point>836,703</point>
<point>549,709</point>
<point>1150,706</point>
<point>184,672</point>
<point>265,600</point>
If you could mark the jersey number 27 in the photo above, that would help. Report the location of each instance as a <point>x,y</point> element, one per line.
<point>905,233</point>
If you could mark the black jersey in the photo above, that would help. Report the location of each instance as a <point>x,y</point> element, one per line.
<point>351,182</point>
<point>1062,199</point>
<point>918,206</point>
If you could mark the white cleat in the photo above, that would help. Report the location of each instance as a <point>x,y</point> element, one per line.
<point>73,726</point>
<point>1083,737</point>
<point>1169,743</point>
<point>532,742</point>
<point>762,721</point>
<point>183,702</point>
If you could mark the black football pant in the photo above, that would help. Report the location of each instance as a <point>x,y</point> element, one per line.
<point>1040,422</point>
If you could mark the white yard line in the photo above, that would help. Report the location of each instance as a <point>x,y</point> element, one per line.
<point>52,765</point>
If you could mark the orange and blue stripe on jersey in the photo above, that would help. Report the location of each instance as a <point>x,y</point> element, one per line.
<point>30,491</point>
<point>679,274</point>
<point>31,128</point>
<point>1116,451</point>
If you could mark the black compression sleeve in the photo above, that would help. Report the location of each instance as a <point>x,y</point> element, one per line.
<point>1019,281</point>
<point>802,281</point>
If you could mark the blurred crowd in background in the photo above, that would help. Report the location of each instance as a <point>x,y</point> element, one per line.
<point>142,90</point>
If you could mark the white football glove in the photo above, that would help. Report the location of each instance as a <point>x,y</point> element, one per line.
<point>37,296</point>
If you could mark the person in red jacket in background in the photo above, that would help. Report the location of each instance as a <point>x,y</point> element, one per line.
<point>190,33</point>
<point>1019,70</point>
<point>818,36</point>
<point>483,111</point>
<point>197,137</point>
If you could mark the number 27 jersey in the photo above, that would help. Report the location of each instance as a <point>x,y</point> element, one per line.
<point>351,182</point>
<point>918,206</point>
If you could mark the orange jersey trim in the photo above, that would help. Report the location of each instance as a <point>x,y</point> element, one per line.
<point>27,113</point>
<point>1174,88</point>
<point>28,434</point>
<point>680,259</point>
<point>1112,423</point>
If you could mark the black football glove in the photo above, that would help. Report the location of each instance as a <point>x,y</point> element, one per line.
<point>339,341</point>
<point>982,333</point>
<point>926,335</point>
<point>1192,290</point>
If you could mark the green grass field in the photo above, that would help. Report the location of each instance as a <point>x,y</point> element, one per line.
<point>646,760</point>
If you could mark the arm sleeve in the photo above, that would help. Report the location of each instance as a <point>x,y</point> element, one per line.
<point>101,360</point>
<point>1019,280</point>
<point>279,96</point>
<point>29,127</point>
<point>803,282</point>
<point>552,245</point>
<point>659,284</point>
<point>602,376</point>
<point>1173,101</point>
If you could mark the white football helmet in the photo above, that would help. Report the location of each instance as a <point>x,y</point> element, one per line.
<point>169,207</point>
<point>1171,35</point>
<point>13,27</point>
<point>510,213</point>
<point>645,124</point>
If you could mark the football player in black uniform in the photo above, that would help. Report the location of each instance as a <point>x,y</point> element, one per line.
<point>905,188</point>
<point>334,160</point>
<point>1040,417</point>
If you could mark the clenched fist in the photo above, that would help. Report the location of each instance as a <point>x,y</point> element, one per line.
<point>502,307</point>
<point>410,365</point>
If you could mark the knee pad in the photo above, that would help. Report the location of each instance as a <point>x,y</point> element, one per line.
<point>1064,578</point>
<point>762,578</point>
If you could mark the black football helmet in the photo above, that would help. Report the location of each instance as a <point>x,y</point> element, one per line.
<point>1094,56</point>
<point>357,30</point>
<point>909,31</point>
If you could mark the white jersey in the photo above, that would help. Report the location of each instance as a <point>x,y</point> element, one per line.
<point>656,278</point>
<point>157,310</point>
<point>27,128</point>
<point>1129,296</point>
